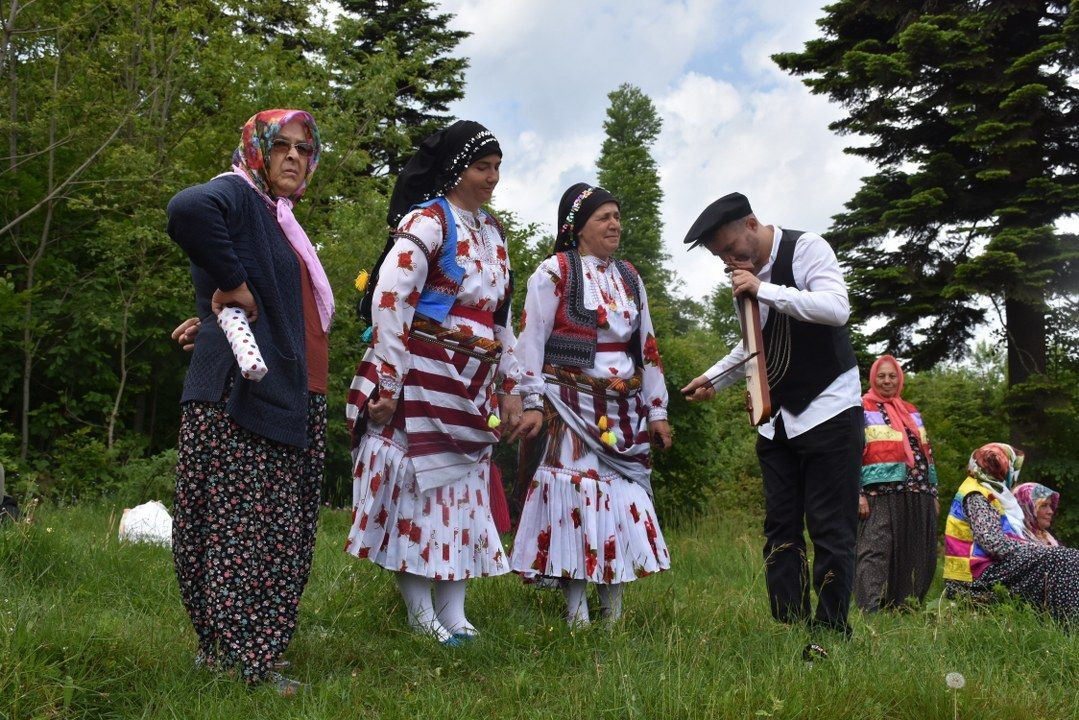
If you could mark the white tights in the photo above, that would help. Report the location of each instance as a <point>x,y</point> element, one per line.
<point>576,592</point>
<point>442,618</point>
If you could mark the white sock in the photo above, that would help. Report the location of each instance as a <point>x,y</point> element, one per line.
<point>610,601</point>
<point>450,606</point>
<point>576,592</point>
<point>416,592</point>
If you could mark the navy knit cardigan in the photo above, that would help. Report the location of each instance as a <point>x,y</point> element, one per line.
<point>232,237</point>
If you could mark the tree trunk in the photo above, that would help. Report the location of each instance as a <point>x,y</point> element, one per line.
<point>1026,366</point>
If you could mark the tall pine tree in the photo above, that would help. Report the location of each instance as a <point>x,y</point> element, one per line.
<point>973,129</point>
<point>427,77</point>
<point>628,170</point>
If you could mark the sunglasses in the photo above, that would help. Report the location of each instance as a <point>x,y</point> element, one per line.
<point>281,145</point>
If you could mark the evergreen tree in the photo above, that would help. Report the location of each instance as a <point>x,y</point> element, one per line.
<point>973,128</point>
<point>628,170</point>
<point>426,79</point>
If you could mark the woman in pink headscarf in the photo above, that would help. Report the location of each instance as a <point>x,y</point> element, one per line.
<point>897,507</point>
<point>251,452</point>
<point>1039,505</point>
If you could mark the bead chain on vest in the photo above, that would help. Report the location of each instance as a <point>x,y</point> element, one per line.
<point>777,357</point>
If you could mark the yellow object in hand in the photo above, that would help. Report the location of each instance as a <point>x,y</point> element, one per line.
<point>361,280</point>
<point>493,421</point>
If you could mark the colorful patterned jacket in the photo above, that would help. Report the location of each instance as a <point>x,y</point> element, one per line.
<point>884,458</point>
<point>964,559</point>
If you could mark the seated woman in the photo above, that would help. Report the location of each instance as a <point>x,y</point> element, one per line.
<point>422,403</point>
<point>1039,505</point>
<point>897,507</point>
<point>984,544</point>
<point>591,370</point>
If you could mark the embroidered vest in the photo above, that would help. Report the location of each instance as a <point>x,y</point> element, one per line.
<point>573,337</point>
<point>444,276</point>
<point>884,458</point>
<point>964,559</point>
<point>803,358</point>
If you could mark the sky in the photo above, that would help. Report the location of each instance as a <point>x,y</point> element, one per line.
<point>732,120</point>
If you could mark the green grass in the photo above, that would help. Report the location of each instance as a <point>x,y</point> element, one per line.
<point>90,628</point>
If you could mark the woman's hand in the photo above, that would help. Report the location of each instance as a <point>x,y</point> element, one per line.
<point>661,434</point>
<point>381,409</point>
<point>529,427</point>
<point>509,410</point>
<point>863,507</point>
<point>699,389</point>
<point>936,504</point>
<point>185,333</point>
<point>240,297</point>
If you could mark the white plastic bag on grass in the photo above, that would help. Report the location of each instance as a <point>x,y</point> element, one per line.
<point>149,522</point>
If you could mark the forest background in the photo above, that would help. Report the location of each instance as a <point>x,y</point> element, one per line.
<point>109,107</point>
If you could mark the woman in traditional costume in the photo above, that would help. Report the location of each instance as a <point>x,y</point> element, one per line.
<point>984,543</point>
<point>251,453</point>
<point>422,404</point>
<point>897,506</point>
<point>1039,506</point>
<point>592,376</point>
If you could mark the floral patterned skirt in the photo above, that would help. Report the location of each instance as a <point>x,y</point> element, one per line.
<point>244,533</point>
<point>446,533</point>
<point>581,525</point>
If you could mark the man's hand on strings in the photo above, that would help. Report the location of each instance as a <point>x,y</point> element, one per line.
<point>744,282</point>
<point>699,390</point>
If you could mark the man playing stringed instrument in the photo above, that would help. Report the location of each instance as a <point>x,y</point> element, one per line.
<point>810,435</point>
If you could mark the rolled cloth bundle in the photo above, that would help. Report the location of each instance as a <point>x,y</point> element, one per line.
<point>233,322</point>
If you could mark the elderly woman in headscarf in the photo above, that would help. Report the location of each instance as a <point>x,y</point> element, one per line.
<point>1039,506</point>
<point>422,407</point>
<point>897,506</point>
<point>591,373</point>
<point>251,453</point>
<point>984,543</point>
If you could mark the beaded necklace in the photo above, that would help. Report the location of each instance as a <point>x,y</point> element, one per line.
<point>478,232</point>
<point>615,290</point>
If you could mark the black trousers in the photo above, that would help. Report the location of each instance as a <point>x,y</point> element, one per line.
<point>811,481</point>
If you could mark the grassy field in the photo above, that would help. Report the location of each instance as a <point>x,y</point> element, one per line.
<point>90,628</point>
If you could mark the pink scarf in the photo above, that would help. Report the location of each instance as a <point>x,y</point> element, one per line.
<point>299,241</point>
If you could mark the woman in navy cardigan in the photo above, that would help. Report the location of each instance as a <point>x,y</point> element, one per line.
<point>251,453</point>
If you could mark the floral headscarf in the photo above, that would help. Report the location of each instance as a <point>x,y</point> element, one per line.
<point>252,156</point>
<point>250,161</point>
<point>996,462</point>
<point>1032,496</point>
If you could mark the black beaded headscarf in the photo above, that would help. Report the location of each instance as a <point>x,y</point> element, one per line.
<point>437,165</point>
<point>576,206</point>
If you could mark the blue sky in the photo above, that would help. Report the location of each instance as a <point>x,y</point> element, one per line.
<point>541,70</point>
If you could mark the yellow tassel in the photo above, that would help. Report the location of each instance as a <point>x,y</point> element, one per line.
<point>609,438</point>
<point>361,280</point>
<point>603,424</point>
<point>493,421</point>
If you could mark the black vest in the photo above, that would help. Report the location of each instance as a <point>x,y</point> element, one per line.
<point>803,358</point>
<point>573,338</point>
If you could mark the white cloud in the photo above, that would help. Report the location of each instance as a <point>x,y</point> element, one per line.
<point>541,71</point>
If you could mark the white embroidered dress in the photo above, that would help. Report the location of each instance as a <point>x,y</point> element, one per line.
<point>582,519</point>
<point>436,523</point>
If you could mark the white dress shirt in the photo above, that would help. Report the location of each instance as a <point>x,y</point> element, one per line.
<point>820,297</point>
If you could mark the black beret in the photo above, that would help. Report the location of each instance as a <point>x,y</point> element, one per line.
<point>730,207</point>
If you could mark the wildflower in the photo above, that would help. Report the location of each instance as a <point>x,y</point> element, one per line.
<point>955,680</point>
